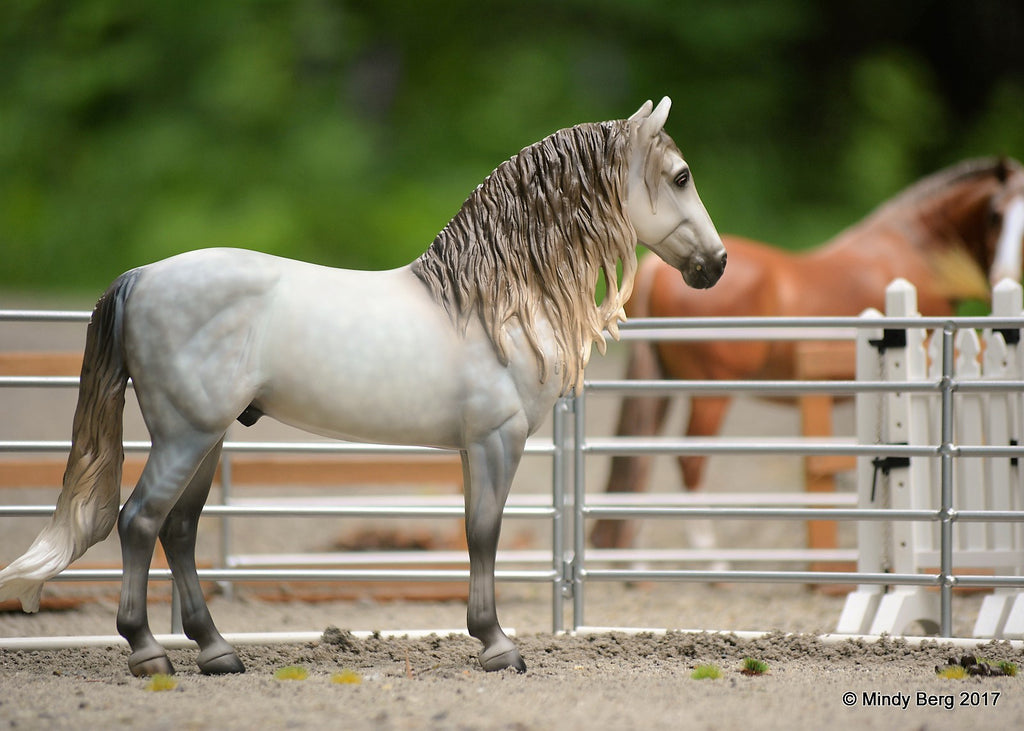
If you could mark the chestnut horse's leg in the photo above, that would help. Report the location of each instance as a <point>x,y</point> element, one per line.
<point>178,537</point>
<point>639,416</point>
<point>706,417</point>
<point>171,466</point>
<point>488,468</point>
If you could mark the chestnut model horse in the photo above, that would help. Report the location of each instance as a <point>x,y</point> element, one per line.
<point>951,235</point>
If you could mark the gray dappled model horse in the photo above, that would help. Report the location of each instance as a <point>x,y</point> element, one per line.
<point>466,348</point>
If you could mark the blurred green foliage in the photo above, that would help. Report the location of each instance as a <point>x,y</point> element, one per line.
<point>349,132</point>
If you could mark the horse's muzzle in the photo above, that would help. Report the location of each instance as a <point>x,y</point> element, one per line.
<point>703,272</point>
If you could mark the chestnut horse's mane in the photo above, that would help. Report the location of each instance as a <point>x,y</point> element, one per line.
<point>532,240</point>
<point>960,270</point>
<point>932,185</point>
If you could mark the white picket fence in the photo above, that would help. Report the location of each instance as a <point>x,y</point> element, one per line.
<point>988,418</point>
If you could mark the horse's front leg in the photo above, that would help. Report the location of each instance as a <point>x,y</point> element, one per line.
<point>488,468</point>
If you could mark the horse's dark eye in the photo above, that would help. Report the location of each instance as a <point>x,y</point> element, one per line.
<point>682,179</point>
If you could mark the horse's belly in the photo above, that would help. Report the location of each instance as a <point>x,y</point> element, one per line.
<point>365,382</point>
<point>357,402</point>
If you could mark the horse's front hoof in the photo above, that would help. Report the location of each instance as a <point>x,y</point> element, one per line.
<point>146,663</point>
<point>502,661</point>
<point>224,664</point>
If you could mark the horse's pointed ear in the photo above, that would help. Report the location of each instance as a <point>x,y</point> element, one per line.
<point>656,122</point>
<point>643,112</point>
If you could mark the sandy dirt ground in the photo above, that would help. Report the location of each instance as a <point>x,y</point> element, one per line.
<point>603,680</point>
<point>606,680</point>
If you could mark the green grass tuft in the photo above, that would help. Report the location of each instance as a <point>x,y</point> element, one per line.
<point>706,672</point>
<point>752,666</point>
<point>952,672</point>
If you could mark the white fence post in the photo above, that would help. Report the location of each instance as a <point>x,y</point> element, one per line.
<point>1002,612</point>
<point>893,418</point>
<point>872,550</point>
<point>906,420</point>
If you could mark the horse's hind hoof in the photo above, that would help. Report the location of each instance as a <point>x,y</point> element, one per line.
<point>503,661</point>
<point>146,664</point>
<point>225,664</point>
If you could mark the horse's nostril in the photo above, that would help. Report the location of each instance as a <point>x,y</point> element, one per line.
<point>720,263</point>
<point>716,266</point>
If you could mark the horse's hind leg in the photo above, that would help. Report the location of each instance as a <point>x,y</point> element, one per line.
<point>178,537</point>
<point>170,468</point>
<point>488,469</point>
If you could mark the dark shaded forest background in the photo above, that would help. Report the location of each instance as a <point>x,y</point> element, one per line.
<point>349,132</point>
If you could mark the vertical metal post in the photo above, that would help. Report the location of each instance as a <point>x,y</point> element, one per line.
<point>946,499</point>
<point>176,626</point>
<point>558,518</point>
<point>225,522</point>
<point>579,499</point>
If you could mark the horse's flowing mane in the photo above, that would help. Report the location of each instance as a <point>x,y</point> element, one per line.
<point>532,240</point>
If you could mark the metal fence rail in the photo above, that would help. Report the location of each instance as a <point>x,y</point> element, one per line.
<point>570,564</point>
<point>780,328</point>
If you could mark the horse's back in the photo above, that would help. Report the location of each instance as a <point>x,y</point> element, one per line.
<point>841,278</point>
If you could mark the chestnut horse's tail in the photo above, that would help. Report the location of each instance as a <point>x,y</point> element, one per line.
<point>88,502</point>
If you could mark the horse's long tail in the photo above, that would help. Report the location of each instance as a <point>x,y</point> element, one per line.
<point>88,502</point>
